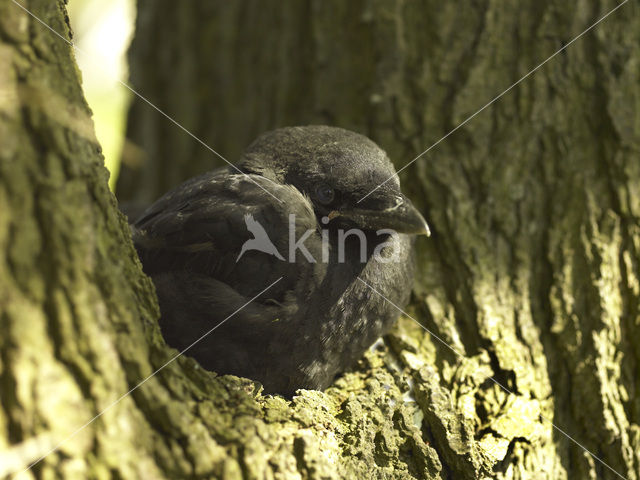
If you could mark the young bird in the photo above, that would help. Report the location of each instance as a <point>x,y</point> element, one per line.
<point>309,208</point>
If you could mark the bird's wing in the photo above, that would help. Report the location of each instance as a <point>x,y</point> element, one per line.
<point>200,228</point>
<point>189,242</point>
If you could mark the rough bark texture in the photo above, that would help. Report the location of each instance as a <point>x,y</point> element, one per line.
<point>532,272</point>
<point>533,269</point>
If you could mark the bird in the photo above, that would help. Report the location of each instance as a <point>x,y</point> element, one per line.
<point>338,263</point>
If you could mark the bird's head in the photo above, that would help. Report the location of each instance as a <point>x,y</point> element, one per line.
<point>347,177</point>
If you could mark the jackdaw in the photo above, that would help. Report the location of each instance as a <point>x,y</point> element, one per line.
<point>299,209</point>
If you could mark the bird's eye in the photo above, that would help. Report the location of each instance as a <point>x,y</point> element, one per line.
<point>324,193</point>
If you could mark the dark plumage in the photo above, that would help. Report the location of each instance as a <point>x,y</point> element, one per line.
<point>319,319</point>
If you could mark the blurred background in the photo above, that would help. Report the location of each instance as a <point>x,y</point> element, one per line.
<point>103,30</point>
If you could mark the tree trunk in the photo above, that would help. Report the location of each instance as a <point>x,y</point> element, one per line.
<point>533,269</point>
<point>532,272</point>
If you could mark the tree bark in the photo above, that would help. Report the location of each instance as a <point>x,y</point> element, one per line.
<point>533,268</point>
<point>532,272</point>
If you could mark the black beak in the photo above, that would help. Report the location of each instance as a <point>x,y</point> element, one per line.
<point>403,217</point>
